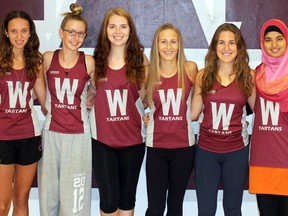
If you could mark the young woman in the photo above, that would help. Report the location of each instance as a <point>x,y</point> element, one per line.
<point>170,138</point>
<point>20,143</point>
<point>66,166</point>
<point>116,117</point>
<point>269,145</point>
<point>221,92</point>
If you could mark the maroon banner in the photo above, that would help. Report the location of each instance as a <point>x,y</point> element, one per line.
<point>35,8</point>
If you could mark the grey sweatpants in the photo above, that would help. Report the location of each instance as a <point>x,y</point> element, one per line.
<point>64,174</point>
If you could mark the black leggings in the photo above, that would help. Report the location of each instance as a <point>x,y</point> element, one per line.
<point>272,205</point>
<point>117,173</point>
<point>167,169</point>
<point>210,169</point>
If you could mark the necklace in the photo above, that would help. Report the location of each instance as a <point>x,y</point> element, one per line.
<point>68,65</point>
<point>66,71</point>
<point>19,81</point>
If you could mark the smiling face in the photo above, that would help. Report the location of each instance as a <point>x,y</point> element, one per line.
<point>226,47</point>
<point>69,41</point>
<point>168,44</point>
<point>118,30</point>
<point>274,44</point>
<point>18,32</point>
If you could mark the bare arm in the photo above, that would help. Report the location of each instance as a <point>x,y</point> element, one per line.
<point>40,89</point>
<point>191,70</point>
<point>40,85</point>
<point>251,99</point>
<point>197,102</point>
<point>90,64</point>
<point>142,91</point>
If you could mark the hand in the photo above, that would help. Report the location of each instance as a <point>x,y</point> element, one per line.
<point>44,111</point>
<point>146,119</point>
<point>145,103</point>
<point>90,101</point>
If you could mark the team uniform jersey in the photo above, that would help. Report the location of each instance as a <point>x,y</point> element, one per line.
<point>270,134</point>
<point>65,171</point>
<point>18,118</point>
<point>169,126</point>
<point>223,126</point>
<point>116,117</point>
<point>269,152</point>
<point>66,97</point>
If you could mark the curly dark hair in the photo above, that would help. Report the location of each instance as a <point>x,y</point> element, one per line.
<point>33,58</point>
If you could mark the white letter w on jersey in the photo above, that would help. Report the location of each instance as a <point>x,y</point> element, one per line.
<point>222,113</point>
<point>66,88</point>
<point>117,101</point>
<point>170,100</point>
<point>267,109</point>
<point>17,93</point>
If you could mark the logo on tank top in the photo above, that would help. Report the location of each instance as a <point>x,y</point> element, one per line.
<point>54,72</point>
<point>117,102</point>
<point>270,115</point>
<point>105,79</point>
<point>40,147</point>
<point>213,91</point>
<point>68,90</point>
<point>221,115</point>
<point>17,94</point>
<point>170,102</point>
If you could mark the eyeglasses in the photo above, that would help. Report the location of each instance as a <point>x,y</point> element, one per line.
<point>73,33</point>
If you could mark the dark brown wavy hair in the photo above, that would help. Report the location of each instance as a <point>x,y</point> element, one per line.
<point>33,57</point>
<point>240,67</point>
<point>134,50</point>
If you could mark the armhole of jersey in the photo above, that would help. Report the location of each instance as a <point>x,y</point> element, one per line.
<point>54,55</point>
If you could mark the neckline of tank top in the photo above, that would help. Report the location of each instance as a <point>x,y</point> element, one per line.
<point>19,79</point>
<point>18,69</point>
<point>169,76</point>
<point>116,69</point>
<point>225,86</point>
<point>67,70</point>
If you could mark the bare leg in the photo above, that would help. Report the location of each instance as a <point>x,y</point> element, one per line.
<point>116,213</point>
<point>126,213</point>
<point>24,176</point>
<point>6,177</point>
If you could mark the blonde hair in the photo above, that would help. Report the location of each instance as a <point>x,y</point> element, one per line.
<point>75,14</point>
<point>153,78</point>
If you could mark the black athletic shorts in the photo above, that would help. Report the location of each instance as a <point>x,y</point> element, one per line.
<point>24,151</point>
